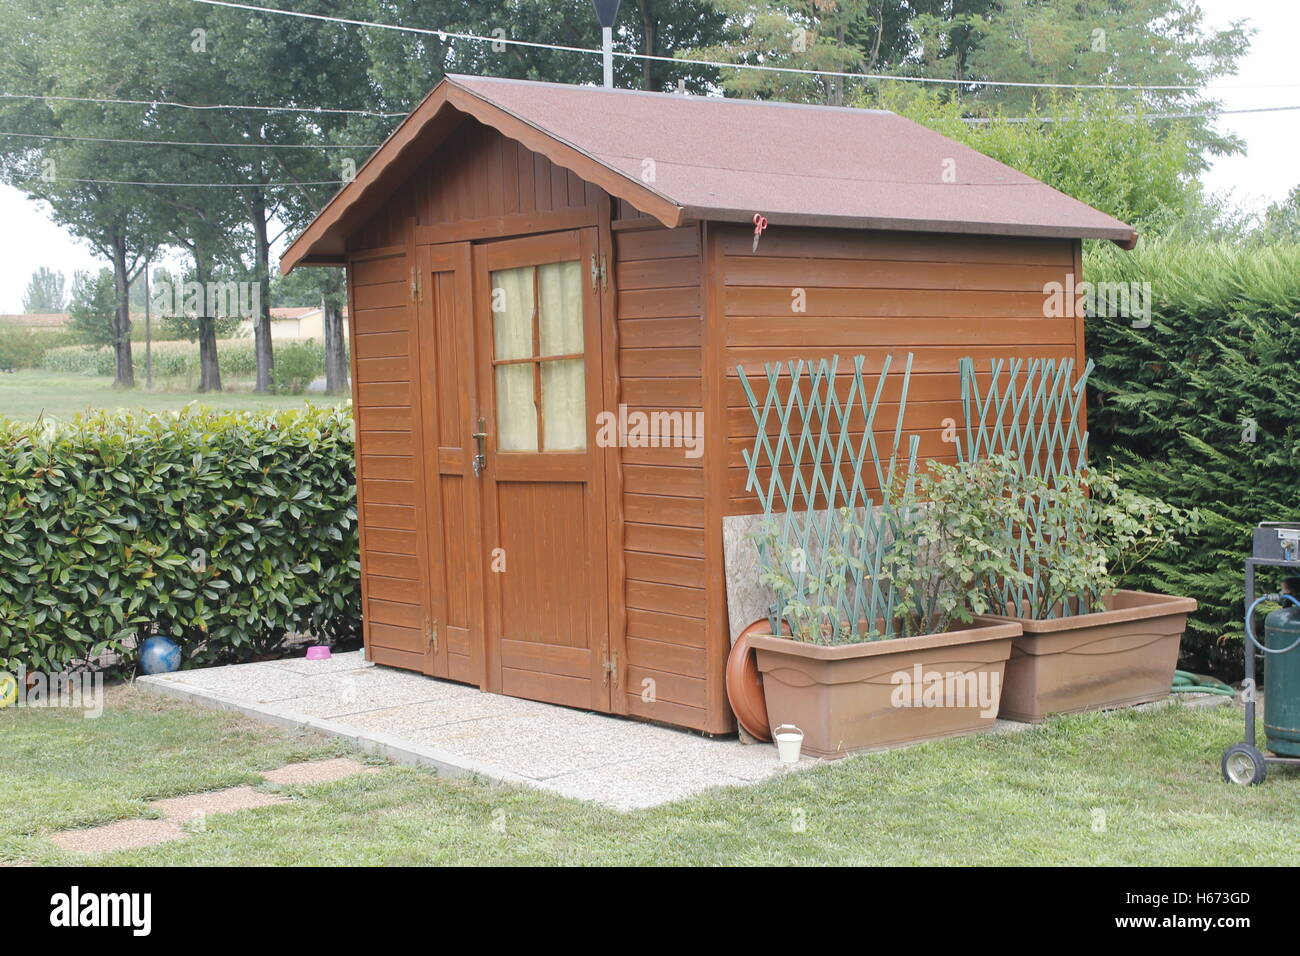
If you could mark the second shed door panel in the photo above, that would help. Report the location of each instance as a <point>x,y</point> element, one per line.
<point>447,381</point>
<point>538,366</point>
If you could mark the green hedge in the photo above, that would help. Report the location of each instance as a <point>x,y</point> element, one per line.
<point>222,530</point>
<point>180,359</point>
<point>23,347</point>
<point>1172,403</point>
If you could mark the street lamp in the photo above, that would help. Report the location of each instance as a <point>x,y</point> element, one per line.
<point>606,11</point>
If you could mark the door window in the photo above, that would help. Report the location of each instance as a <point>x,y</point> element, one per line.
<point>537,334</point>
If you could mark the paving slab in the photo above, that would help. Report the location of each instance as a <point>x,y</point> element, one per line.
<point>119,835</point>
<point>194,806</point>
<point>316,771</point>
<point>455,729</point>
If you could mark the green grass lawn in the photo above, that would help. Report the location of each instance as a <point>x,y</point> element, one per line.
<point>28,393</point>
<point>1019,798</point>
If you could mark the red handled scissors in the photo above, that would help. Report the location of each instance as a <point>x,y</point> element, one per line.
<point>760,223</point>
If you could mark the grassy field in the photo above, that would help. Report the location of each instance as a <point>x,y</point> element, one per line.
<point>28,393</point>
<point>1028,798</point>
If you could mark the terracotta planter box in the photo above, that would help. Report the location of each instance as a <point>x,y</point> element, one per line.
<point>1118,657</point>
<point>856,697</point>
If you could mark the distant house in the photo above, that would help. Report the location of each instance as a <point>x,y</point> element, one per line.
<point>295,323</point>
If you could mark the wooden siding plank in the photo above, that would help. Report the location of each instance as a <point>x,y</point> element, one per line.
<point>660,333</point>
<point>664,539</point>
<point>660,363</point>
<point>657,509</point>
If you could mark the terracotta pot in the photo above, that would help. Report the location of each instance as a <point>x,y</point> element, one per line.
<point>745,684</point>
<point>855,697</point>
<point>1118,657</point>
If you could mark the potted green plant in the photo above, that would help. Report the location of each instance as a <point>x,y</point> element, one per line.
<point>1086,643</point>
<point>887,641</point>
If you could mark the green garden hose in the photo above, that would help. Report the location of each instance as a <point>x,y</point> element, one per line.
<point>1188,683</point>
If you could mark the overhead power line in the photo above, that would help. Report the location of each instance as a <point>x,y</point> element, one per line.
<point>737,66</point>
<point>120,182</point>
<point>193,106</point>
<point>1145,116</point>
<point>441,34</point>
<point>168,142</point>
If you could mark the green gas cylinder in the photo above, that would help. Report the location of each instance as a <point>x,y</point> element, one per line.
<point>1282,682</point>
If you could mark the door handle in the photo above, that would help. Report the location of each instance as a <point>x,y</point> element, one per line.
<point>479,462</point>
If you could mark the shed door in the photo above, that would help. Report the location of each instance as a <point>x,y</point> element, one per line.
<point>447,394</point>
<point>539,385</point>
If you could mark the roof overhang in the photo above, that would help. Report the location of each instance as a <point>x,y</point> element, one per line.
<point>969,228</point>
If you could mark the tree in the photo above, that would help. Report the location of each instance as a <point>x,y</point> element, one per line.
<point>44,292</point>
<point>1140,42</point>
<point>70,49</point>
<point>93,307</point>
<point>1281,222</point>
<point>799,35</point>
<point>1097,147</point>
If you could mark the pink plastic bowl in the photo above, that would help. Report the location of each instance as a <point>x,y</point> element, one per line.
<point>318,652</point>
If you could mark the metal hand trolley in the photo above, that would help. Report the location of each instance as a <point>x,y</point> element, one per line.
<point>1276,545</point>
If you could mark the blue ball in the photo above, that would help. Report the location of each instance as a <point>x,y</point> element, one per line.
<point>159,655</point>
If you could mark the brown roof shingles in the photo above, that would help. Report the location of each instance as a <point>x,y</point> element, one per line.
<point>715,158</point>
<point>796,164</point>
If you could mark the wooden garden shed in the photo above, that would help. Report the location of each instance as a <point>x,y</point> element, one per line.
<point>522,256</point>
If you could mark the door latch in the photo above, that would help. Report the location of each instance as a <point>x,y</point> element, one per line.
<point>479,462</point>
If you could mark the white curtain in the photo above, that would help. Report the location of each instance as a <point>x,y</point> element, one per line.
<point>512,332</point>
<point>564,399</point>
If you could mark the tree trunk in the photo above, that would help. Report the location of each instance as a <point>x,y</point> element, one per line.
<point>336,359</point>
<point>209,368</point>
<point>837,82</point>
<point>124,373</point>
<point>262,268</point>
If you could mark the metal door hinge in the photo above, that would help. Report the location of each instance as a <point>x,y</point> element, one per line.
<point>432,634</point>
<point>415,286</point>
<point>599,276</point>
<point>609,664</point>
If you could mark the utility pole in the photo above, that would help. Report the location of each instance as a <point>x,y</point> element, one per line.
<point>606,11</point>
<point>148,331</point>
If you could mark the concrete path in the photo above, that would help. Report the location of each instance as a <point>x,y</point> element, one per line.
<point>410,718</point>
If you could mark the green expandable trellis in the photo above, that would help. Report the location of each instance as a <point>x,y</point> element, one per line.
<point>1032,416</point>
<point>821,523</point>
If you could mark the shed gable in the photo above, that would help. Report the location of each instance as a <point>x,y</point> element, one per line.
<point>477,175</point>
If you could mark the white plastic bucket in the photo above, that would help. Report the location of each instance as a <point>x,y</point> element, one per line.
<point>789,741</point>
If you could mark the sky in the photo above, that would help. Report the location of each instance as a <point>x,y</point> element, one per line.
<point>1266,173</point>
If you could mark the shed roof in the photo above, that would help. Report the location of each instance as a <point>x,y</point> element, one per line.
<point>724,159</point>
